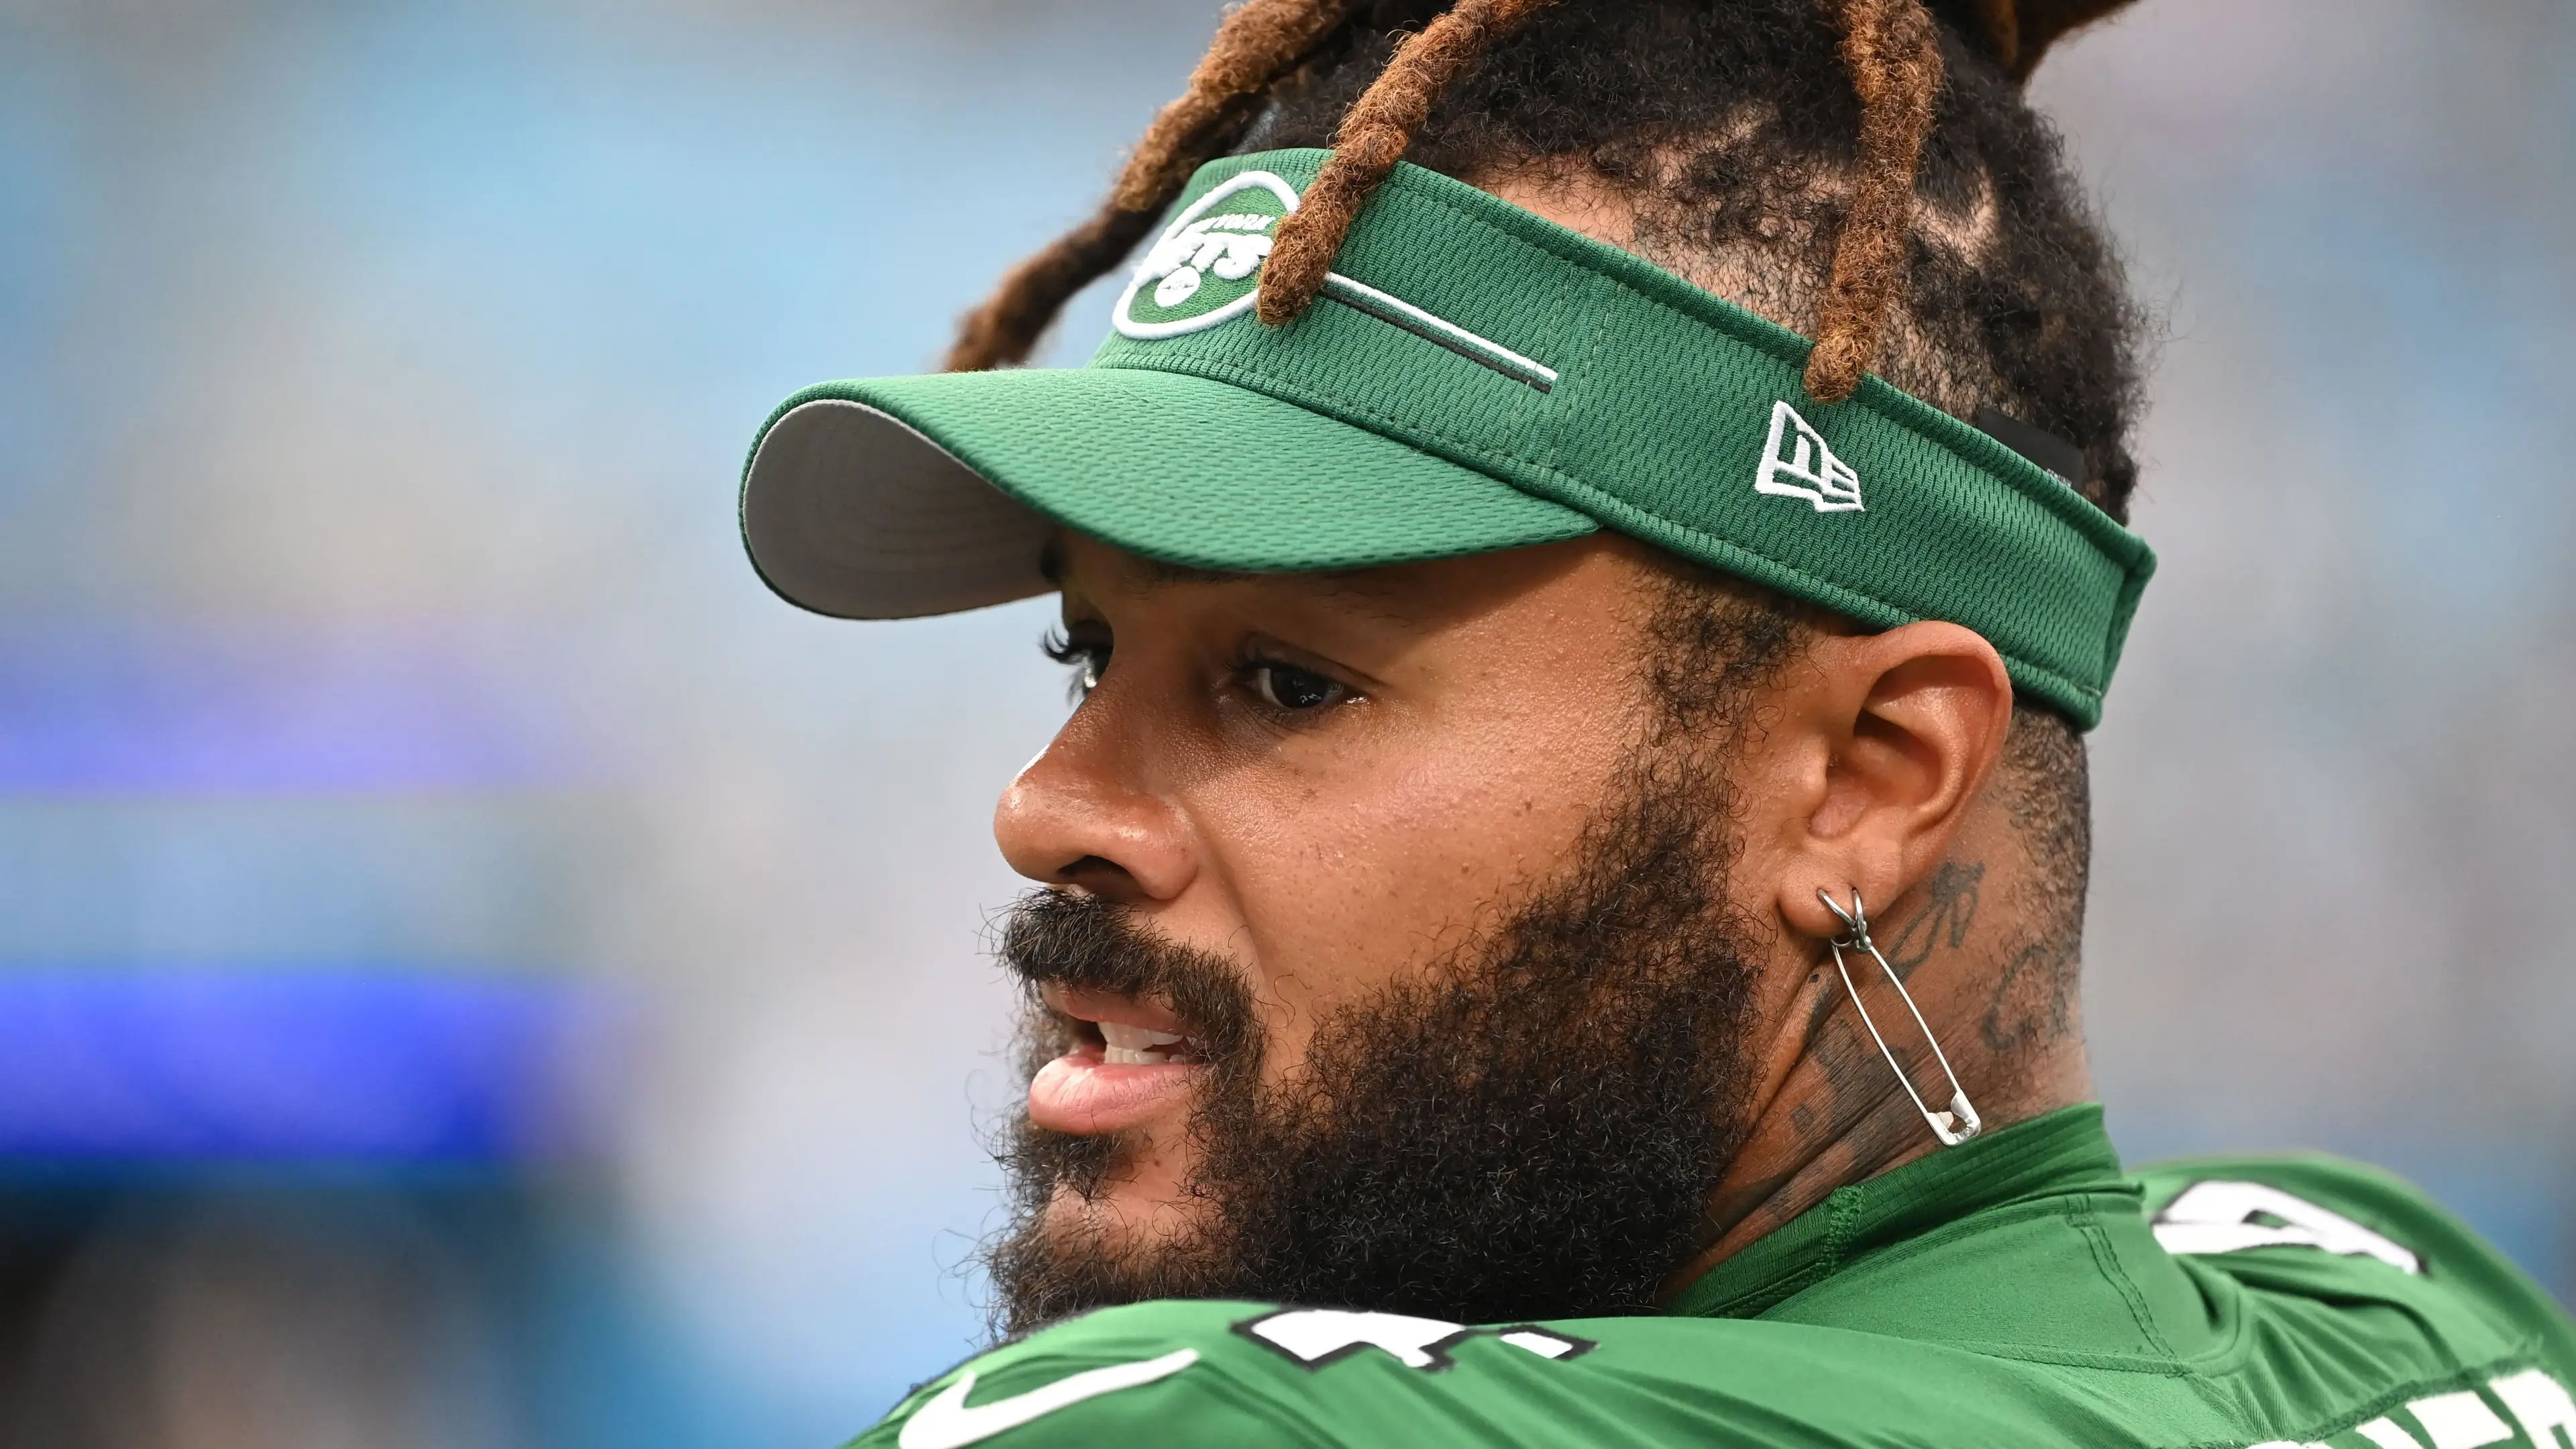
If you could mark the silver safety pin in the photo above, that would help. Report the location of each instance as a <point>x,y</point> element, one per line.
<point>1948,1126</point>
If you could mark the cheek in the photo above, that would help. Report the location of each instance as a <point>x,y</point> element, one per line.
<point>1382,858</point>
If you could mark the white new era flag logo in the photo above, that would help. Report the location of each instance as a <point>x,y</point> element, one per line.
<point>1797,464</point>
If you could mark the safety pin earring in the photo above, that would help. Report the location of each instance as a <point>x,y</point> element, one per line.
<point>1959,1123</point>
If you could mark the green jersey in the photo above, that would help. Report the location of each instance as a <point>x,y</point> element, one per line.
<point>2017,1290</point>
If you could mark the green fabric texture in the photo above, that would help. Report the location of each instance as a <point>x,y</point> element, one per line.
<point>2009,1292</point>
<point>1207,474</point>
<point>1592,387</point>
<point>1657,423</point>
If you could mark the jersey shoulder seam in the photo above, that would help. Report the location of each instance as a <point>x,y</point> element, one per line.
<point>2089,1224</point>
<point>2120,1363</point>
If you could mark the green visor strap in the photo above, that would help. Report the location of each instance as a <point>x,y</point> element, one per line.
<point>1473,378</point>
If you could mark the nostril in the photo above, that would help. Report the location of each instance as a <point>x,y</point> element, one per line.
<point>1101,876</point>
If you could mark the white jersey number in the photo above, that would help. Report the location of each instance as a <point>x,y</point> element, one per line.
<point>2229,1217</point>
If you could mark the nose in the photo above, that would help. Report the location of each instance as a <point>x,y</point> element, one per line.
<point>1078,815</point>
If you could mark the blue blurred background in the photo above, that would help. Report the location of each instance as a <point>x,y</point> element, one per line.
<point>476,970</point>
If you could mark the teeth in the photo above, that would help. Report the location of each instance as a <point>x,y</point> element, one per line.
<point>1133,1045</point>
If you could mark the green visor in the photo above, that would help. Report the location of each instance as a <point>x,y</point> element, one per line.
<point>1474,378</point>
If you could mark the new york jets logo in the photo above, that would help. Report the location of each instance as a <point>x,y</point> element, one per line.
<point>1206,266</point>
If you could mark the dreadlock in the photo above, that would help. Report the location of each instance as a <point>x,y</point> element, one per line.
<point>1373,136</point>
<point>1255,44</point>
<point>1895,67</point>
<point>1865,172</point>
<point>1888,48</point>
<point>1942,245</point>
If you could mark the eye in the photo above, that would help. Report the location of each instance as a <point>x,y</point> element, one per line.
<point>1087,656</point>
<point>1287,687</point>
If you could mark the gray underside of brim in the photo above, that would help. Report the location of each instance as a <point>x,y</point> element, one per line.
<point>850,511</point>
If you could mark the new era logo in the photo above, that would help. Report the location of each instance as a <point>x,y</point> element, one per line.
<point>1797,464</point>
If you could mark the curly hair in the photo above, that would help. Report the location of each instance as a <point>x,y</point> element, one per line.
<point>1865,172</point>
<point>1720,123</point>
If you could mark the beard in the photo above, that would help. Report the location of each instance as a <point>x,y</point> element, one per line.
<point>1528,1127</point>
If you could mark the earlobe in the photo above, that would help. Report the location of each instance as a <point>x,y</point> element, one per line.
<point>1802,904</point>
<point>1908,725</point>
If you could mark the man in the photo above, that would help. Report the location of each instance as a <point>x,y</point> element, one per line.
<point>1562,891</point>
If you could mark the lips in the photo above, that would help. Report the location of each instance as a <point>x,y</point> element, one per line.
<point>1132,1062</point>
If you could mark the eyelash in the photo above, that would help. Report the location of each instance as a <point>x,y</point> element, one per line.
<point>1089,659</point>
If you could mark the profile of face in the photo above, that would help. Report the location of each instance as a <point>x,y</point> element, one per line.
<point>1426,938</point>
<point>1387,955</point>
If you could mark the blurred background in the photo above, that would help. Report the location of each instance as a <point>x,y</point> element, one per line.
<point>476,970</point>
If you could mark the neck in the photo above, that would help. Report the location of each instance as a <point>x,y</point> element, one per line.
<point>1830,1111</point>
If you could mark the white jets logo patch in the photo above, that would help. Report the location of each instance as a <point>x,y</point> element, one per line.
<point>1206,266</point>
<point>1315,1337</point>
<point>1797,464</point>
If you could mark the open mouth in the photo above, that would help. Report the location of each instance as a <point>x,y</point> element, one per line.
<point>1122,1045</point>
<point>1130,1062</point>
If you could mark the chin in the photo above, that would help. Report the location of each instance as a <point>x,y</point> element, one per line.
<point>1121,1220</point>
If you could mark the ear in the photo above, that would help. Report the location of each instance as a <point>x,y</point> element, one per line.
<point>1889,739</point>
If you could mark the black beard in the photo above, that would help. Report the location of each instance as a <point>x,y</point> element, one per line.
<point>1530,1129</point>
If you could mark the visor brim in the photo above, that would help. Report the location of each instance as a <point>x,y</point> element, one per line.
<point>894,498</point>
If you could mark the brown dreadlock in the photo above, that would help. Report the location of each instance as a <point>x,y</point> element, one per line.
<point>1372,139</point>
<point>1254,45</point>
<point>1890,49</point>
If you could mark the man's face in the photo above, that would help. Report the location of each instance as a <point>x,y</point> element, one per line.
<point>1390,960</point>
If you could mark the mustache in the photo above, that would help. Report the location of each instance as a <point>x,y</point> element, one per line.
<point>1066,938</point>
